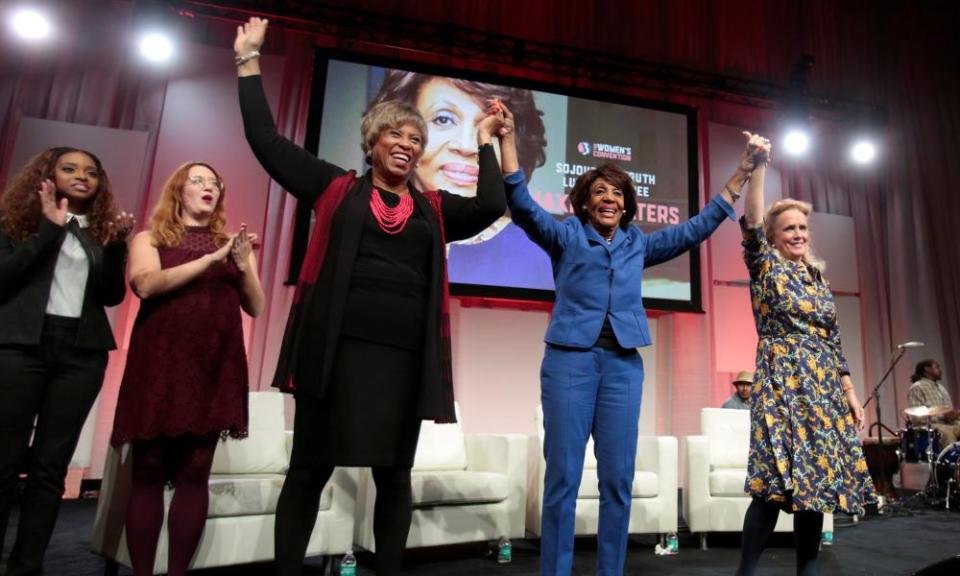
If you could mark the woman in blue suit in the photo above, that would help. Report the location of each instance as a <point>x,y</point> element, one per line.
<point>591,379</point>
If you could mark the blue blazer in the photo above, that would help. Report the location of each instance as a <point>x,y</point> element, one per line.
<point>593,277</point>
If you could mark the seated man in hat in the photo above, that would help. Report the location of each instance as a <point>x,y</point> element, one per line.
<point>740,399</point>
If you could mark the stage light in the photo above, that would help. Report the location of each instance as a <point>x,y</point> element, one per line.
<point>156,47</point>
<point>796,142</point>
<point>863,152</point>
<point>30,24</point>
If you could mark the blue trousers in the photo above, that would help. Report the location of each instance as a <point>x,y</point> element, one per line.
<point>588,392</point>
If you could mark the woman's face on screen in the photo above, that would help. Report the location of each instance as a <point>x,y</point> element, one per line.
<point>449,161</point>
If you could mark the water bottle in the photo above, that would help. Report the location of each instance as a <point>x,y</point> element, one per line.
<point>673,545</point>
<point>348,566</point>
<point>504,551</point>
<point>826,539</point>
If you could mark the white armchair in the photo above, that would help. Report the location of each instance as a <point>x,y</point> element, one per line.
<point>245,484</point>
<point>716,472</point>
<point>466,488</point>
<point>654,505</point>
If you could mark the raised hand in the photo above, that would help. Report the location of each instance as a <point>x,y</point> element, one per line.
<point>53,210</point>
<point>507,127</point>
<point>498,122</point>
<point>756,152</point>
<point>121,226</point>
<point>250,36</point>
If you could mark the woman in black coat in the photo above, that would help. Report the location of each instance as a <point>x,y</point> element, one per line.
<point>367,349</point>
<point>62,258</point>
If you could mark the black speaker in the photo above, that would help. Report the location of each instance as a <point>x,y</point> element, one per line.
<point>950,566</point>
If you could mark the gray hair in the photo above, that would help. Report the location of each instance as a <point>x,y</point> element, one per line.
<point>389,114</point>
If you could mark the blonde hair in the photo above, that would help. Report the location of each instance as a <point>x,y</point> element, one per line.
<point>166,221</point>
<point>390,114</point>
<point>769,228</point>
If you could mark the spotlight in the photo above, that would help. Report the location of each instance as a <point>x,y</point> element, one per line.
<point>156,47</point>
<point>796,142</point>
<point>30,24</point>
<point>863,152</point>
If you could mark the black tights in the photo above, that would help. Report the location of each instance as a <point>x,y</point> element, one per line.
<point>758,525</point>
<point>300,500</point>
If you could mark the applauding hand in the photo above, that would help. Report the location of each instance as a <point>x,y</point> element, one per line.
<point>121,226</point>
<point>242,246</point>
<point>53,210</point>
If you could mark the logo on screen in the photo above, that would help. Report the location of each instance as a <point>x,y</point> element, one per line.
<point>603,150</point>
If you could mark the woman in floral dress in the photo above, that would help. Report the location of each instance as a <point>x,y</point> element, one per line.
<point>805,455</point>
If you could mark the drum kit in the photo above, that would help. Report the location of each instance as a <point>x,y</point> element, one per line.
<point>920,442</point>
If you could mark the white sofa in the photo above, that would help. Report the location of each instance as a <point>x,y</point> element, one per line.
<point>654,504</point>
<point>466,488</point>
<point>245,484</point>
<point>714,500</point>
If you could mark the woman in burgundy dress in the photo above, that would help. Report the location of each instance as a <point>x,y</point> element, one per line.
<point>185,383</point>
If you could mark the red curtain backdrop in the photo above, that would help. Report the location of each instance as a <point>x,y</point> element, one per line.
<point>898,54</point>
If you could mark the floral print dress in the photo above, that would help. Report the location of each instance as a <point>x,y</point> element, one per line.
<point>804,448</point>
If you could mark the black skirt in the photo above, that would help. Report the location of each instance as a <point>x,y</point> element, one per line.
<point>368,416</point>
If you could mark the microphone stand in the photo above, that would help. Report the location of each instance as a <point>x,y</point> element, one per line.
<point>875,395</point>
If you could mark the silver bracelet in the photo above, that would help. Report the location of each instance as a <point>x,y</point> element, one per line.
<point>241,60</point>
<point>735,195</point>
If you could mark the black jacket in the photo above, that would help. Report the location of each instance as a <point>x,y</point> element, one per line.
<point>26,274</point>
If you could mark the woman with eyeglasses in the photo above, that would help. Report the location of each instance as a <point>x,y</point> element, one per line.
<point>185,383</point>
<point>62,254</point>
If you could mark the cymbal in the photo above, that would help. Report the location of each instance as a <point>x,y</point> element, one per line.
<point>926,411</point>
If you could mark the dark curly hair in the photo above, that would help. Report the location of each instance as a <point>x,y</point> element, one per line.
<point>612,174</point>
<point>20,211</point>
<point>921,369</point>
<point>528,119</point>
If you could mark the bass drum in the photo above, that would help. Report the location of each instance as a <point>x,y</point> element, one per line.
<point>948,472</point>
<point>918,441</point>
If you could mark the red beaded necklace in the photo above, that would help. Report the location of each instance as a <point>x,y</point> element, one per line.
<point>391,220</point>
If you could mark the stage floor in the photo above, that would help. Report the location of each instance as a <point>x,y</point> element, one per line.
<point>877,545</point>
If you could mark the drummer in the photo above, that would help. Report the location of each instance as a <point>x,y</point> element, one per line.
<point>927,392</point>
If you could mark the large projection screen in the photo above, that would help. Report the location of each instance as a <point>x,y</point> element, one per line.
<point>560,136</point>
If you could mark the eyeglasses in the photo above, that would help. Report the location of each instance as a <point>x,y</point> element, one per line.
<point>201,181</point>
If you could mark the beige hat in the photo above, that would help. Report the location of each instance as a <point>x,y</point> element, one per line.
<point>744,376</point>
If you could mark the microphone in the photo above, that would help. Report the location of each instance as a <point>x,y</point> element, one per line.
<point>911,344</point>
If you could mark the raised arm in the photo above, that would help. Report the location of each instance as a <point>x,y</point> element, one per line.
<point>753,167</point>
<point>147,278</point>
<point>539,225</point>
<point>464,217</point>
<point>298,171</point>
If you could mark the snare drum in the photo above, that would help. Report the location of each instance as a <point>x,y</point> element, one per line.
<point>915,441</point>
<point>948,470</point>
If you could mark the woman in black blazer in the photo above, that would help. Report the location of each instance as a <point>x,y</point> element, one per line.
<point>62,257</point>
